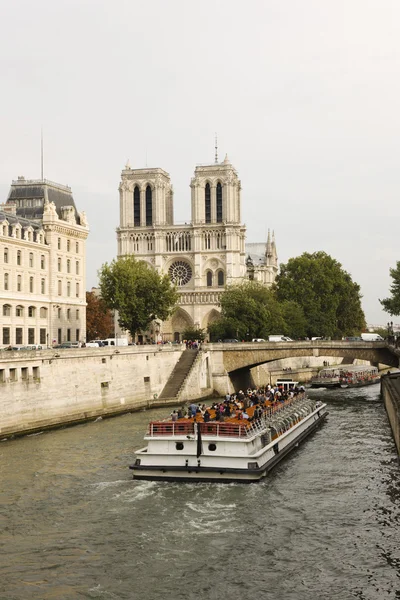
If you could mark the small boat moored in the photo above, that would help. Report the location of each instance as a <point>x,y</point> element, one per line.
<point>346,376</point>
<point>234,450</point>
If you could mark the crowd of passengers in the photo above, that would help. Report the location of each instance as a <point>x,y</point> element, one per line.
<point>249,405</point>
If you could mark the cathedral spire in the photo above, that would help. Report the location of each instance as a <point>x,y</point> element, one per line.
<point>216,149</point>
<point>273,249</point>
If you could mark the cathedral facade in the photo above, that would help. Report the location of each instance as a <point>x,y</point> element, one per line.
<point>201,257</point>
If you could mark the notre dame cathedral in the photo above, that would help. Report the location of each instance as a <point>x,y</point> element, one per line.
<point>201,257</point>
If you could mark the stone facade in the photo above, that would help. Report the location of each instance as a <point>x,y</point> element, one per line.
<point>42,265</point>
<point>202,256</point>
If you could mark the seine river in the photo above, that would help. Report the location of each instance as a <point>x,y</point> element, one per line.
<point>324,525</point>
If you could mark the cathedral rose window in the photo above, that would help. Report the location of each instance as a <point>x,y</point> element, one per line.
<point>180,272</point>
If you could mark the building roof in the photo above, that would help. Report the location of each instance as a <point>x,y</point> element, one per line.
<point>12,219</point>
<point>256,251</point>
<point>29,196</point>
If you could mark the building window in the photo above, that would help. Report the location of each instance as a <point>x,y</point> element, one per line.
<point>68,288</point>
<point>77,335</point>
<point>19,283</point>
<point>43,286</point>
<point>59,284</point>
<point>59,313</point>
<point>19,311</point>
<point>42,262</point>
<point>136,206</point>
<point>68,245</point>
<point>59,264</point>
<point>77,247</point>
<point>68,313</point>
<point>43,312</point>
<point>13,375</point>
<point>77,290</point>
<point>42,336</point>
<point>19,257</point>
<point>6,310</point>
<point>68,335</point>
<point>6,255</point>
<point>6,278</point>
<point>18,335</point>
<point>219,203</point>
<point>209,279</point>
<point>77,267</point>
<point>221,278</point>
<point>24,371</point>
<point>59,335</point>
<point>207,198</point>
<point>31,311</point>
<point>6,335</point>
<point>59,243</point>
<point>31,285</point>
<point>77,314</point>
<point>30,259</point>
<point>31,335</point>
<point>149,206</point>
<point>68,266</point>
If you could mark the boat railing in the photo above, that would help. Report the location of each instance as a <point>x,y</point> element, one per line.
<point>241,430</point>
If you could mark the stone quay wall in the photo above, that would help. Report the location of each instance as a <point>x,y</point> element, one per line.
<point>49,388</point>
<point>390,390</point>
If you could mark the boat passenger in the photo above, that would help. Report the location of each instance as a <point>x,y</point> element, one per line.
<point>192,409</point>
<point>244,414</point>
<point>174,415</point>
<point>180,413</point>
<point>206,416</point>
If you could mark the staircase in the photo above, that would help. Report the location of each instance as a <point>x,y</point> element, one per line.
<point>179,374</point>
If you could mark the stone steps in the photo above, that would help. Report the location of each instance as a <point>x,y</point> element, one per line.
<point>179,374</point>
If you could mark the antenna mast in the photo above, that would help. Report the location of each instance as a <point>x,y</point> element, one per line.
<point>41,152</point>
<point>216,149</point>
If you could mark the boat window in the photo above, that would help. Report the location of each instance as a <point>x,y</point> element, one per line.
<point>212,447</point>
<point>179,446</point>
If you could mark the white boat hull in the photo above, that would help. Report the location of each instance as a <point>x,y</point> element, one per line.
<point>238,465</point>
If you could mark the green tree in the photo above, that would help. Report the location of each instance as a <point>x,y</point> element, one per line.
<point>99,319</point>
<point>193,334</point>
<point>330,300</point>
<point>392,304</point>
<point>137,292</point>
<point>295,321</point>
<point>248,310</point>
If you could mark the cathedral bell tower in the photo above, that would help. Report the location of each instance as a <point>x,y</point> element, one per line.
<point>215,194</point>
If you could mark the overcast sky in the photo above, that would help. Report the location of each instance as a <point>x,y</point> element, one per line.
<point>304,95</point>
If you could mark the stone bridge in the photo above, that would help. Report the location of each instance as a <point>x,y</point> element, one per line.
<point>230,364</point>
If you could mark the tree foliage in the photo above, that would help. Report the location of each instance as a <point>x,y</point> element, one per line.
<point>392,304</point>
<point>137,292</point>
<point>250,310</point>
<point>194,334</point>
<point>330,300</point>
<point>99,319</point>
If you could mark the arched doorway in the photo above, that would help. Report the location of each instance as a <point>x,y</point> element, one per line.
<point>180,321</point>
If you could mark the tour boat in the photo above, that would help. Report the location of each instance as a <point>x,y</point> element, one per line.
<point>230,451</point>
<point>346,376</point>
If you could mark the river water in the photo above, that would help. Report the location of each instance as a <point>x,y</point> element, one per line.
<point>324,525</point>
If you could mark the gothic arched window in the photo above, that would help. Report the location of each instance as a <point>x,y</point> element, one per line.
<point>149,206</point>
<point>207,200</point>
<point>209,279</point>
<point>219,203</point>
<point>221,278</point>
<point>136,206</point>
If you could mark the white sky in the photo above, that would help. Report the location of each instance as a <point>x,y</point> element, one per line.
<point>304,95</point>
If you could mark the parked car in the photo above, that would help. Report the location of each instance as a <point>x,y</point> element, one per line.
<point>93,344</point>
<point>35,347</point>
<point>258,340</point>
<point>230,341</point>
<point>69,345</point>
<point>279,338</point>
